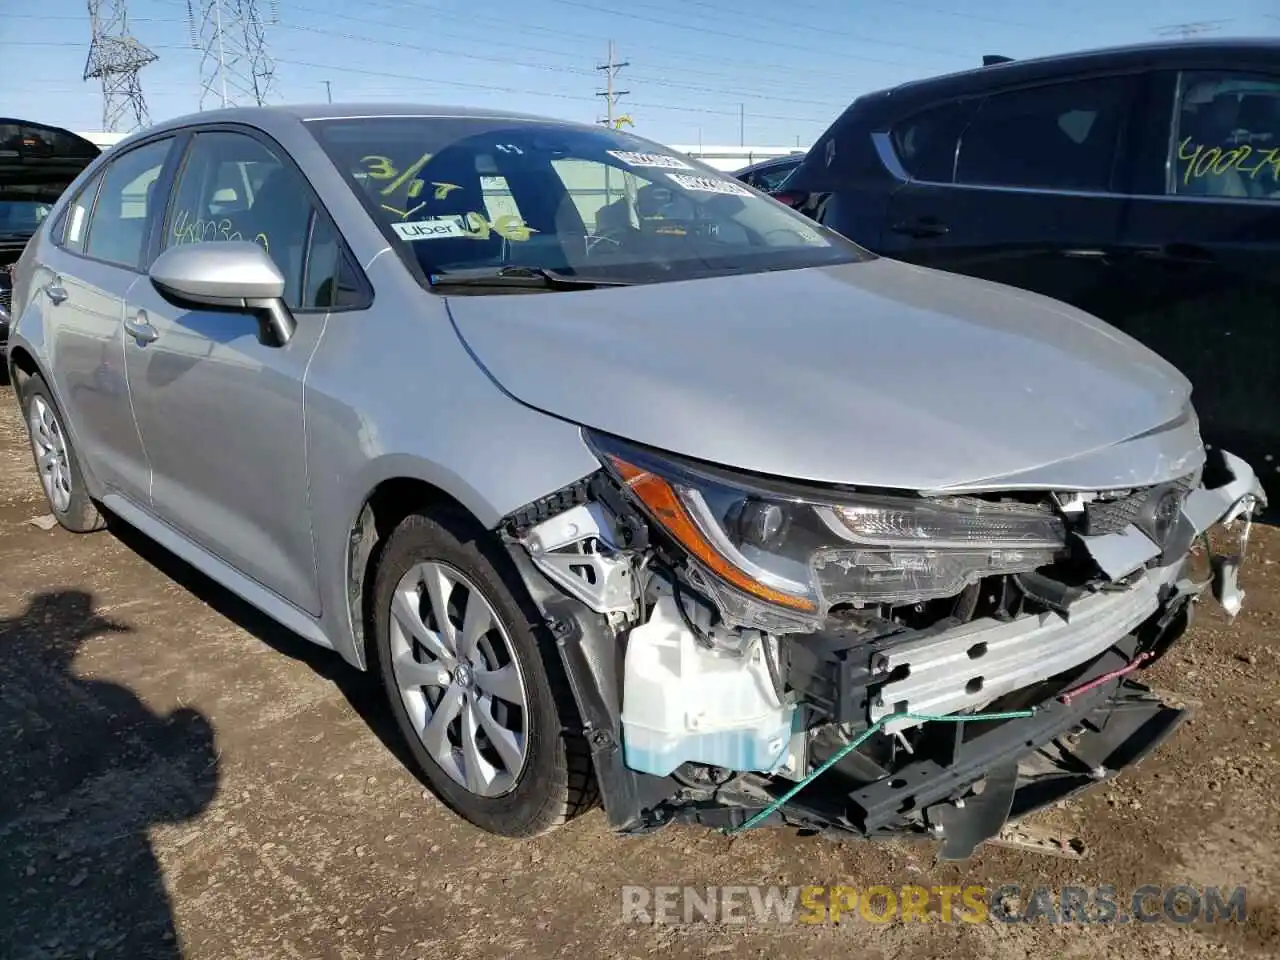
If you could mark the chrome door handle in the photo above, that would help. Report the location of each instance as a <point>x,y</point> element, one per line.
<point>55,291</point>
<point>140,328</point>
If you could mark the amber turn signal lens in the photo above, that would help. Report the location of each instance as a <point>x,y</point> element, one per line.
<point>664,504</point>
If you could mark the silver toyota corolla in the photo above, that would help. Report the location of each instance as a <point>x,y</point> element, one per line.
<point>627,480</point>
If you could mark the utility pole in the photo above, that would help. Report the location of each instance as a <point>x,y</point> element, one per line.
<point>742,125</point>
<point>328,90</point>
<point>610,94</point>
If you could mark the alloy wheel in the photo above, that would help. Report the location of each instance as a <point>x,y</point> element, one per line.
<point>51,453</point>
<point>459,679</point>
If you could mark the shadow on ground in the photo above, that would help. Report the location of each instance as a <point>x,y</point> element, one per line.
<point>361,689</point>
<point>87,769</point>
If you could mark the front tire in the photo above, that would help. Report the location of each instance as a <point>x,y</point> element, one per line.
<point>56,461</point>
<point>474,680</point>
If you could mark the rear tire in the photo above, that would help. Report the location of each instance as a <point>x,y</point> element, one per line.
<point>482,700</point>
<point>56,461</point>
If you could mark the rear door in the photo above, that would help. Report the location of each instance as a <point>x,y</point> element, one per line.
<point>92,263</point>
<point>1020,187</point>
<point>1202,238</point>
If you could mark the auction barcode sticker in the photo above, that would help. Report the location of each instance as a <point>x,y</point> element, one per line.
<point>649,160</point>
<point>710,185</point>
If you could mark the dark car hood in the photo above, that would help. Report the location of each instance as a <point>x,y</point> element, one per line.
<point>38,162</point>
<point>879,373</point>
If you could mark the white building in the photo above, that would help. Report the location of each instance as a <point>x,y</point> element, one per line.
<point>729,159</point>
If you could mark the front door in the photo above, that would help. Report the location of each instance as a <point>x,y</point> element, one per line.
<point>1203,254</point>
<point>221,413</point>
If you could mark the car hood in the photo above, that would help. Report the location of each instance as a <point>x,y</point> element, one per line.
<point>878,373</point>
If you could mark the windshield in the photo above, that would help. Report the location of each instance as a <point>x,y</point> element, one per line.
<point>21,216</point>
<point>459,193</point>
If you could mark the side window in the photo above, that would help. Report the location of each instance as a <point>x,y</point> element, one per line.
<point>926,142</point>
<point>1226,141</point>
<point>771,178</point>
<point>117,229</point>
<point>74,228</point>
<point>1062,136</point>
<point>232,187</point>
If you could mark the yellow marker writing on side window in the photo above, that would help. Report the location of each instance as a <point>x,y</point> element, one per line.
<point>1203,161</point>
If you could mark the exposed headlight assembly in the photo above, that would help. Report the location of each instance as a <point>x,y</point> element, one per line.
<point>805,550</point>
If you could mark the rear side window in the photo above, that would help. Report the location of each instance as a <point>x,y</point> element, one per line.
<point>1062,136</point>
<point>118,226</point>
<point>926,142</point>
<point>1227,139</point>
<point>73,230</point>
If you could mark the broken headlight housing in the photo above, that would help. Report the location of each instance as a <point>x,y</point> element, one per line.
<point>804,549</point>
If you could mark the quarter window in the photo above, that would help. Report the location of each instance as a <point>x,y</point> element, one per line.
<point>1227,139</point>
<point>1063,136</point>
<point>117,229</point>
<point>75,224</point>
<point>926,142</point>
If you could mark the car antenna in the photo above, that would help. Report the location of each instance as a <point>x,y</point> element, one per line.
<point>991,59</point>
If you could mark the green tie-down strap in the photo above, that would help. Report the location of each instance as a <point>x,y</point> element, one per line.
<point>857,741</point>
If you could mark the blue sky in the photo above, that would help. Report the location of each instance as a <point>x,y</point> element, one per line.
<point>784,68</point>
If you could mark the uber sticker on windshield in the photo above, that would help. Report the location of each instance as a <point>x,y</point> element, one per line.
<point>710,185</point>
<point>649,160</point>
<point>431,229</point>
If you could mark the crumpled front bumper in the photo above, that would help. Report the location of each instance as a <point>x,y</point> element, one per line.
<point>974,664</point>
<point>1072,669</point>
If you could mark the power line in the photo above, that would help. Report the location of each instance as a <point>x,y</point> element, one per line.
<point>515,30</point>
<point>553,68</point>
<point>417,79</point>
<point>115,59</point>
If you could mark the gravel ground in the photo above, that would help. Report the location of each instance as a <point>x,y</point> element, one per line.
<point>182,778</point>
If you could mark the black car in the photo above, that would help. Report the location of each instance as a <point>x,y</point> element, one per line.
<point>1141,184</point>
<point>768,175</point>
<point>37,162</point>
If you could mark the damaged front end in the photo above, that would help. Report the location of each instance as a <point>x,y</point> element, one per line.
<point>746,651</point>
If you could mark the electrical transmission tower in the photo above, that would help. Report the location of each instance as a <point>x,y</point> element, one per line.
<point>235,66</point>
<point>115,59</point>
<point>611,94</point>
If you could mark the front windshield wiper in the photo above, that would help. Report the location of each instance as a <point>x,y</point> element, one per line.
<point>517,276</point>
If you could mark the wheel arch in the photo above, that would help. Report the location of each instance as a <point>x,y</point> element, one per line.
<point>382,509</point>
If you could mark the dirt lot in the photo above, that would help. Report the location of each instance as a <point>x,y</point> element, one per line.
<point>183,779</point>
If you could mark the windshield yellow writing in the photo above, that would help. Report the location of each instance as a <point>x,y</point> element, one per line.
<point>1203,161</point>
<point>507,226</point>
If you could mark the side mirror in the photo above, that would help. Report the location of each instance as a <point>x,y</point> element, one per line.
<point>227,275</point>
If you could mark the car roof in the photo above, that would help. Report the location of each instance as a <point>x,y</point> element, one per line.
<point>1167,54</point>
<point>270,116</point>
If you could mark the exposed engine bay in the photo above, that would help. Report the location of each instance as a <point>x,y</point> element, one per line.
<point>746,651</point>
